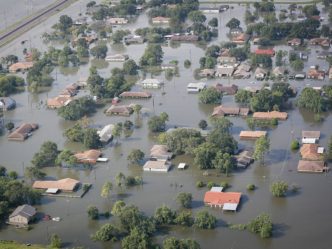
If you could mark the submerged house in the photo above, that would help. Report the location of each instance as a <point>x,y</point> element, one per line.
<point>22,215</point>
<point>227,90</point>
<point>106,133</point>
<point>160,20</point>
<point>22,132</point>
<point>310,137</point>
<point>120,110</point>
<point>270,115</point>
<point>314,73</point>
<point>312,166</point>
<point>196,87</point>
<point>20,66</point>
<point>59,101</point>
<point>65,185</point>
<point>242,71</point>
<point>260,73</point>
<point>7,103</point>
<point>160,152</point>
<point>117,21</point>
<point>229,111</point>
<point>136,95</point>
<point>269,52</point>
<point>244,159</point>
<point>88,157</point>
<point>324,42</point>
<point>117,58</point>
<point>294,42</point>
<point>157,166</point>
<point>252,134</point>
<point>225,200</point>
<point>151,83</point>
<point>225,71</point>
<point>133,39</point>
<point>311,152</point>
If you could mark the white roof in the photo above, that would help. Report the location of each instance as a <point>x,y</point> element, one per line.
<point>182,165</point>
<point>52,190</point>
<point>216,189</point>
<point>198,85</point>
<point>102,159</point>
<point>151,81</point>
<point>320,150</point>
<point>230,206</point>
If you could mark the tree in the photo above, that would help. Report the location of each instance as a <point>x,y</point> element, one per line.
<point>164,215</point>
<point>184,199</point>
<point>262,145</point>
<point>202,124</point>
<point>184,218</point>
<point>204,220</point>
<point>233,23</point>
<point>213,22</point>
<point>311,10</point>
<point>137,109</point>
<point>91,139</point>
<point>120,179</point>
<point>46,156</point>
<point>262,225</point>
<point>173,243</point>
<point>187,63</point>
<point>279,56</point>
<point>117,131</point>
<point>224,162</point>
<point>93,212</point>
<point>99,51</point>
<point>295,145</point>
<point>66,157</point>
<point>243,97</point>
<point>297,65</point>
<point>153,56</point>
<point>311,100</point>
<point>65,23</point>
<point>56,241</point>
<point>197,16</point>
<point>157,123</point>
<point>204,155</point>
<point>12,175</point>
<point>106,190</point>
<point>77,108</point>
<point>279,188</point>
<point>136,156</point>
<point>118,35</point>
<point>130,67</point>
<point>117,207</point>
<point>3,171</point>
<point>106,232</point>
<point>34,173</point>
<point>210,96</point>
<point>329,149</point>
<point>136,239</point>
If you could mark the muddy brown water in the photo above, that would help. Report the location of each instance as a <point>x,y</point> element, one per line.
<point>302,220</point>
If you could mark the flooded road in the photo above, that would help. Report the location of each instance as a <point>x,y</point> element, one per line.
<point>302,220</point>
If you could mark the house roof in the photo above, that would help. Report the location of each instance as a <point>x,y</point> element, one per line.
<point>224,110</point>
<point>160,151</point>
<point>271,115</point>
<point>22,131</point>
<point>25,210</point>
<point>58,101</point>
<point>310,152</point>
<point>311,166</point>
<point>260,70</point>
<point>67,184</point>
<point>252,134</point>
<point>269,52</point>
<point>311,134</point>
<point>157,165</point>
<point>23,65</point>
<point>151,82</point>
<point>122,109</point>
<point>88,156</point>
<point>135,95</point>
<point>229,90</point>
<point>160,19</point>
<point>220,198</point>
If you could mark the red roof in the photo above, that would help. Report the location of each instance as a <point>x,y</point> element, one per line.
<point>220,198</point>
<point>269,52</point>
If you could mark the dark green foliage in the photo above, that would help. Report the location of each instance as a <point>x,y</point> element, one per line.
<point>91,139</point>
<point>164,216</point>
<point>66,157</point>
<point>136,239</point>
<point>130,67</point>
<point>295,145</point>
<point>204,220</point>
<point>184,199</point>
<point>311,100</point>
<point>203,124</point>
<point>200,184</point>
<point>9,84</point>
<point>99,51</point>
<point>263,60</point>
<point>279,188</point>
<point>233,23</point>
<point>261,225</point>
<point>210,96</point>
<point>34,173</point>
<point>173,243</point>
<point>153,56</point>
<point>158,123</point>
<point>184,218</point>
<point>251,187</point>
<point>93,212</point>
<point>243,97</point>
<point>46,156</point>
<point>213,22</point>
<point>77,108</point>
<point>106,232</point>
<point>56,242</point>
<point>136,156</point>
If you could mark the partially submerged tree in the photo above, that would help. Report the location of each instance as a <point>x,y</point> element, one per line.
<point>262,145</point>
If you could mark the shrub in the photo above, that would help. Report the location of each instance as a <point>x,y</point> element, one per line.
<point>295,145</point>
<point>200,184</point>
<point>210,185</point>
<point>251,187</point>
<point>279,188</point>
<point>224,185</point>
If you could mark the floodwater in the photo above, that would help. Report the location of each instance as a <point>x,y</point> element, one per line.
<point>302,220</point>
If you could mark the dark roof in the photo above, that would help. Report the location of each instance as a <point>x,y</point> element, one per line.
<point>25,210</point>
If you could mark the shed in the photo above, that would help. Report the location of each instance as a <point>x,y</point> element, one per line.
<point>22,215</point>
<point>182,165</point>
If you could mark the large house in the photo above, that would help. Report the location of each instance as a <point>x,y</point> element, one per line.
<point>224,200</point>
<point>22,132</point>
<point>20,66</point>
<point>120,110</point>
<point>229,111</point>
<point>65,185</point>
<point>22,215</point>
<point>271,115</point>
<point>58,102</point>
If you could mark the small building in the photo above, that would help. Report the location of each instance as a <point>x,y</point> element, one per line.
<point>65,185</point>
<point>314,73</point>
<point>311,152</point>
<point>117,21</point>
<point>7,103</point>
<point>160,152</point>
<point>324,42</point>
<point>120,110</point>
<point>312,166</point>
<point>310,137</point>
<point>252,134</point>
<point>268,52</point>
<point>226,60</point>
<point>88,157</point>
<point>229,111</point>
<point>184,38</point>
<point>210,10</point>
<point>117,58</point>
<point>160,20</point>
<point>270,115</point>
<point>135,95</point>
<point>294,42</point>
<point>22,132</point>
<point>182,165</point>
<point>151,83</point>
<point>106,133</point>
<point>20,66</point>
<point>216,189</point>
<point>207,72</point>
<point>22,215</point>
<point>225,71</point>
<point>244,159</point>
<point>133,39</point>
<point>226,200</point>
<point>157,166</point>
<point>81,21</point>
<point>196,87</point>
<point>227,90</point>
<point>68,92</point>
<point>59,101</point>
<point>223,7</point>
<point>260,73</point>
